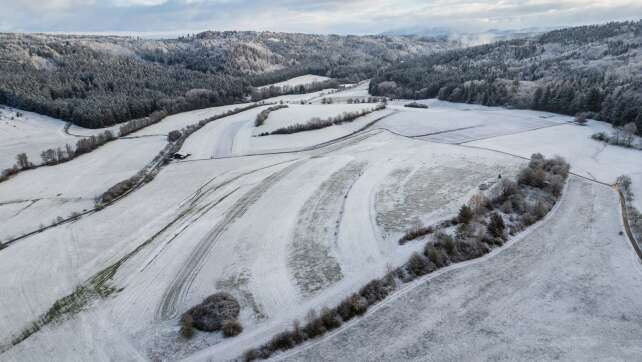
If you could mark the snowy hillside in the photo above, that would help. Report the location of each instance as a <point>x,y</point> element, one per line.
<point>289,223</point>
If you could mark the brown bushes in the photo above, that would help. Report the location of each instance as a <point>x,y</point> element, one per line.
<point>317,123</point>
<point>479,227</point>
<point>210,315</point>
<point>416,233</point>
<point>187,326</point>
<point>263,116</point>
<point>232,328</point>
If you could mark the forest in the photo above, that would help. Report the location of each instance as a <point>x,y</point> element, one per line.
<point>589,70</point>
<point>98,81</point>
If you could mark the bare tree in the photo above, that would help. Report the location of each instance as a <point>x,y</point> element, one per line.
<point>23,161</point>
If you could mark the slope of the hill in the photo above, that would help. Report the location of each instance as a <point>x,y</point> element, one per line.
<point>97,81</point>
<point>566,291</point>
<point>595,69</point>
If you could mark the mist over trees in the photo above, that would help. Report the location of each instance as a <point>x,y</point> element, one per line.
<point>98,81</point>
<point>592,69</point>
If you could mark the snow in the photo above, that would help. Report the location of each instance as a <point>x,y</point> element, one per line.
<point>294,82</point>
<point>590,158</point>
<point>182,120</point>
<point>31,133</point>
<point>290,223</point>
<point>465,122</point>
<point>301,114</point>
<point>566,290</point>
<point>49,192</point>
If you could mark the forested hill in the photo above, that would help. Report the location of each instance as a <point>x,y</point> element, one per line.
<point>96,81</point>
<point>594,69</point>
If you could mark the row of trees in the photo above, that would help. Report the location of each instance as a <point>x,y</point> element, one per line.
<point>261,93</point>
<point>57,155</point>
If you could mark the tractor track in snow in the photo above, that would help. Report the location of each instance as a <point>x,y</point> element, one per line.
<point>360,134</point>
<point>181,283</point>
<point>421,281</point>
<point>310,261</point>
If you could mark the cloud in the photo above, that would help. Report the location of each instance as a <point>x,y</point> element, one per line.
<point>323,16</point>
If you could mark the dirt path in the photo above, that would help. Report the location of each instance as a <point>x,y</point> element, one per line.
<point>569,273</point>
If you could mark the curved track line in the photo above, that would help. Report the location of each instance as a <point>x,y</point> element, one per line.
<point>422,280</point>
<point>181,283</point>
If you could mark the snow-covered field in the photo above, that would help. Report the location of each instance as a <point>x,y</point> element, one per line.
<point>595,160</point>
<point>301,114</point>
<point>290,223</point>
<point>30,133</point>
<point>46,193</point>
<point>294,82</point>
<point>568,290</point>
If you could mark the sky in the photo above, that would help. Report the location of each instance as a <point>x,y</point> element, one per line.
<point>178,17</point>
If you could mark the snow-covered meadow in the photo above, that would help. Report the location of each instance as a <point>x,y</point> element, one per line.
<point>298,81</point>
<point>290,223</point>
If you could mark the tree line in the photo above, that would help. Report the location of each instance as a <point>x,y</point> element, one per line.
<point>569,71</point>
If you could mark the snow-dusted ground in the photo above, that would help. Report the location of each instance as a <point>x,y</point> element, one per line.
<point>465,122</point>
<point>286,232</point>
<point>294,82</point>
<point>568,290</point>
<point>31,133</point>
<point>301,114</point>
<point>356,91</point>
<point>590,158</point>
<point>182,120</point>
<point>48,192</point>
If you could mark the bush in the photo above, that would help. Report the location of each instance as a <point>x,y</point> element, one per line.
<point>315,326</point>
<point>232,328</point>
<point>496,226</point>
<point>317,123</point>
<point>416,233</point>
<point>263,115</point>
<point>465,214</point>
<point>417,265</point>
<point>330,318</point>
<point>173,136</point>
<point>352,306</point>
<point>210,315</point>
<point>376,290</point>
<point>187,326</point>
<point>415,105</point>
<point>435,255</point>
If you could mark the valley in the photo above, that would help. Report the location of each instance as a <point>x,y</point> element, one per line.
<point>288,223</point>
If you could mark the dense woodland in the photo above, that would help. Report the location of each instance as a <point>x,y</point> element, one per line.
<point>596,70</point>
<point>96,81</point>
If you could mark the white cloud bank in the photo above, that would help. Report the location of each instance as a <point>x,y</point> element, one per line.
<point>323,16</point>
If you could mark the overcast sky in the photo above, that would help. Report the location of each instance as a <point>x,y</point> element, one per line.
<point>323,16</point>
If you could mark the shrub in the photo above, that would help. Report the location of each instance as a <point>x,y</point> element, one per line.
<point>330,318</point>
<point>415,105</point>
<point>232,328</point>
<point>496,226</point>
<point>417,265</point>
<point>213,311</point>
<point>375,291</point>
<point>187,326</point>
<point>435,255</point>
<point>352,306</point>
<point>317,123</point>
<point>465,214</point>
<point>416,233</point>
<point>315,326</point>
<point>173,136</point>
